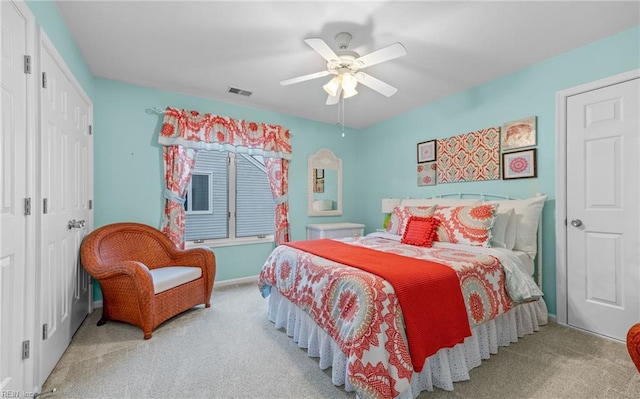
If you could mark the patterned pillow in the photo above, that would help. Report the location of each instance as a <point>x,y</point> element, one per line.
<point>420,231</point>
<point>401,214</point>
<point>469,225</point>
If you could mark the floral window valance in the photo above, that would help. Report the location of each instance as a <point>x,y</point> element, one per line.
<point>183,133</point>
<point>192,129</point>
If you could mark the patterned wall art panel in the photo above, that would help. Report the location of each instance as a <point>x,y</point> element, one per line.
<point>474,156</point>
<point>427,174</point>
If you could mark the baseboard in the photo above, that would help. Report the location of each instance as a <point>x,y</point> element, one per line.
<point>97,304</point>
<point>243,280</point>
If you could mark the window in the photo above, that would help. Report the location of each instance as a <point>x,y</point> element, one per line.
<point>229,199</point>
<point>198,199</point>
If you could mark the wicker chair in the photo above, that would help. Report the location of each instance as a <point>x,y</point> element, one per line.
<point>633,344</point>
<point>123,257</point>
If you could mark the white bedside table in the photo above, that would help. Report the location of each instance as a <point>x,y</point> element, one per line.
<point>334,230</point>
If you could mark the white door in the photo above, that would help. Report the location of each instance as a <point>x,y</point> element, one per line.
<point>66,184</point>
<point>15,173</point>
<point>603,202</point>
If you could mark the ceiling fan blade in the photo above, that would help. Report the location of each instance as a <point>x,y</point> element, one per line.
<point>322,48</point>
<point>384,54</point>
<point>376,84</point>
<point>304,77</point>
<point>332,100</point>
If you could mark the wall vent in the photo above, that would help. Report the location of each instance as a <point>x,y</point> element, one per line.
<point>238,91</point>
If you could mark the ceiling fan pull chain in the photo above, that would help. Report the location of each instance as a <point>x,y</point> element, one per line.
<point>342,97</point>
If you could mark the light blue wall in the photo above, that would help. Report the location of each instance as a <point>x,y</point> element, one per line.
<point>387,150</point>
<point>129,171</point>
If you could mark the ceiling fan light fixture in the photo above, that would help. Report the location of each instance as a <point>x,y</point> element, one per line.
<point>349,81</point>
<point>346,93</point>
<point>332,87</point>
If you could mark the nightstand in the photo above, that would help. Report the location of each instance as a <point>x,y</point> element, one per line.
<point>334,230</point>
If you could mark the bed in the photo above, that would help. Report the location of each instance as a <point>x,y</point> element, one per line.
<point>393,315</point>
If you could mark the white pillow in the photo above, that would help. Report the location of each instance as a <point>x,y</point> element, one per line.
<point>499,229</point>
<point>440,201</point>
<point>503,232</point>
<point>528,212</point>
<point>512,231</point>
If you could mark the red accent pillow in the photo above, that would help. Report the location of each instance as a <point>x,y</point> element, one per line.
<point>420,231</point>
<point>401,214</point>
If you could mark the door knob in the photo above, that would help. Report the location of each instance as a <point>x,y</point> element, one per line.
<point>576,222</point>
<point>75,224</point>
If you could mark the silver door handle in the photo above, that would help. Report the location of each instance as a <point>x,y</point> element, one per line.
<point>76,224</point>
<point>576,222</point>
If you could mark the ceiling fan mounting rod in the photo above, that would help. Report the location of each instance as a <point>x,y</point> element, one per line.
<point>343,39</point>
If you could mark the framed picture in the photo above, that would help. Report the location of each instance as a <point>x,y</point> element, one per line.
<point>319,173</point>
<point>518,134</point>
<point>427,174</point>
<point>427,151</point>
<point>319,186</point>
<point>519,164</point>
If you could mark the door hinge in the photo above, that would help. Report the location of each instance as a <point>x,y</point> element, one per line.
<point>27,64</point>
<point>90,204</point>
<point>90,130</point>
<point>45,331</point>
<point>45,205</point>
<point>25,350</point>
<point>44,80</point>
<point>27,206</point>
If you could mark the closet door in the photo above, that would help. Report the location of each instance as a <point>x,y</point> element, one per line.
<point>16,183</point>
<point>66,175</point>
<point>603,211</point>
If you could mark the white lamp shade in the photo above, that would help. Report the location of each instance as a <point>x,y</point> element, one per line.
<point>349,82</point>
<point>389,203</point>
<point>346,93</point>
<point>332,87</point>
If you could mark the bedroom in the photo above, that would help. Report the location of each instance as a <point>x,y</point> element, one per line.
<point>375,165</point>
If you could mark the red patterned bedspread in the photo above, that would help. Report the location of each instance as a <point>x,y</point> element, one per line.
<point>361,312</point>
<point>428,293</point>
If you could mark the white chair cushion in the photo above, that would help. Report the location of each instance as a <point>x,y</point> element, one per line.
<point>165,278</point>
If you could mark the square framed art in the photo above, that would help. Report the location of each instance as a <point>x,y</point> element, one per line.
<point>519,164</point>
<point>427,174</point>
<point>518,134</point>
<point>427,151</point>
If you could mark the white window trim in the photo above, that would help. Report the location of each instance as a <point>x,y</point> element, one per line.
<point>190,197</point>
<point>229,242</point>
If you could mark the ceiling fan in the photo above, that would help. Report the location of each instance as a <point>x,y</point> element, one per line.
<point>346,65</point>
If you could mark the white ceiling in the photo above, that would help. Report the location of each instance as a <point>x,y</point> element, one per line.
<point>203,47</point>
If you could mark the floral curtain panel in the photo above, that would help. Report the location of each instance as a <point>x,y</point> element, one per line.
<point>278,170</point>
<point>184,132</point>
<point>179,162</point>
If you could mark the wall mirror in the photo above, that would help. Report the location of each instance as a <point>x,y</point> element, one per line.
<point>324,190</point>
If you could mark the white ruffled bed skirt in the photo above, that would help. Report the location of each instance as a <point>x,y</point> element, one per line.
<point>441,370</point>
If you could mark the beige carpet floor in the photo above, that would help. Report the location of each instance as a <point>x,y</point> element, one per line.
<point>231,350</point>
